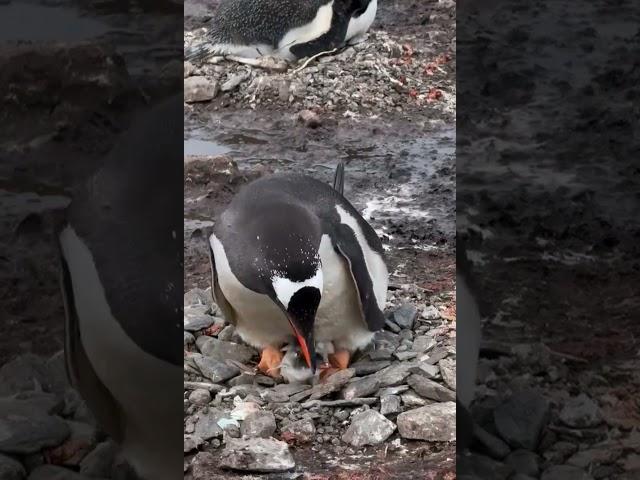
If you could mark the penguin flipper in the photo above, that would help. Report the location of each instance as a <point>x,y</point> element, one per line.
<point>346,244</point>
<point>79,369</point>
<point>227,310</point>
<point>338,179</point>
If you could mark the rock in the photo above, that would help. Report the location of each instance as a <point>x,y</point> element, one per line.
<point>368,428</point>
<point>189,339</point>
<point>380,354</point>
<point>491,444</point>
<point>433,423</point>
<point>425,369</point>
<point>11,469</point>
<point>197,296</point>
<point>207,426</point>
<point>191,443</point>
<point>392,326</point>
<point>57,373</point>
<point>476,467</point>
<point>24,373</point>
<point>406,355</point>
<point>215,370</point>
<point>301,431</point>
<point>223,351</point>
<point>364,367</point>
<point>262,455</point>
<point>189,69</point>
<point>80,442</point>
<point>423,344</point>
<point>520,420</point>
<point>448,372</point>
<point>196,318</point>
<point>53,472</point>
<point>202,465</point>
<point>393,375</point>
<point>29,404</point>
<point>333,383</point>
<point>581,412</point>
<point>565,472</point>
<point>392,390</point>
<point>524,462</point>
<point>99,462</point>
<point>594,456</point>
<point>412,399</point>
<point>389,404</point>
<point>234,80</point>
<point>259,424</point>
<point>309,118</point>
<point>200,396</point>
<point>199,89</point>
<point>405,315</point>
<point>429,389</point>
<point>24,435</point>
<point>430,313</point>
<point>227,333</point>
<point>361,388</point>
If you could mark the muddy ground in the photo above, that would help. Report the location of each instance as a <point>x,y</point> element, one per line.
<point>400,172</point>
<point>554,236</point>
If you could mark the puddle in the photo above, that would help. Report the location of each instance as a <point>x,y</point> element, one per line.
<point>196,146</point>
<point>37,23</point>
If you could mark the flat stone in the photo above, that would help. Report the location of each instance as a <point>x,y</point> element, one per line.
<point>594,456</point>
<point>221,350</point>
<point>448,372</point>
<point>430,312</point>
<point>520,420</point>
<point>227,333</point>
<point>565,472</point>
<point>392,326</point>
<point>476,467</point>
<point>423,344</point>
<point>78,444</point>
<point>99,461</point>
<point>429,389</point>
<point>333,383</point>
<point>202,466</point>
<point>215,370</point>
<point>380,354</point>
<point>196,318</point>
<point>197,296</point>
<point>11,469</point>
<point>354,402</point>
<point>301,431</point>
<point>261,455</point>
<point>207,425</point>
<point>581,412</point>
<point>389,404</point>
<point>27,372</point>
<point>259,424</point>
<point>435,356</point>
<point>393,375</point>
<point>426,370</point>
<point>199,89</point>
<point>23,435</point>
<point>392,390</point>
<point>192,442</point>
<point>412,399</point>
<point>405,315</point>
<point>433,423</point>
<point>492,445</point>
<point>366,367</point>
<point>524,462</point>
<point>189,339</point>
<point>361,388</point>
<point>368,428</point>
<point>29,404</point>
<point>406,355</point>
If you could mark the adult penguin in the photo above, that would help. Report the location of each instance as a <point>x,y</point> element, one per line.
<point>293,260</point>
<point>361,19</point>
<point>121,274</point>
<point>287,29</point>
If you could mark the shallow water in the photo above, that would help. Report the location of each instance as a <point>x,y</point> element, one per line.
<point>37,23</point>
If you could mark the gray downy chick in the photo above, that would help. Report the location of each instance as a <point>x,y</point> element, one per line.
<point>294,368</point>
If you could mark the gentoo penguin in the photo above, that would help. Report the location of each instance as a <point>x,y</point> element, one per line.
<point>293,260</point>
<point>467,348</point>
<point>361,20</point>
<point>121,273</point>
<point>288,29</point>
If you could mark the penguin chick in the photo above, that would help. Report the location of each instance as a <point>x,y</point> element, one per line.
<point>294,368</point>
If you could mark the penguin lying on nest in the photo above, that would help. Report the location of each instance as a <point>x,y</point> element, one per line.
<point>292,260</point>
<point>286,29</point>
<point>120,255</point>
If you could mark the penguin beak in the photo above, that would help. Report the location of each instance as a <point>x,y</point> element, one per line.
<point>307,346</point>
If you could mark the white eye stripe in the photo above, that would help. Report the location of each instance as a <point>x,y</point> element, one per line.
<point>285,288</point>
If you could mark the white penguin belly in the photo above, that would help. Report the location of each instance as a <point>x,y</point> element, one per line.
<point>259,321</point>
<point>128,372</point>
<point>359,26</point>
<point>320,25</point>
<point>339,318</point>
<point>244,51</point>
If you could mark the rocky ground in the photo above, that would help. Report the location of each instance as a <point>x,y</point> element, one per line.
<point>386,107</point>
<point>405,67</point>
<point>553,237</point>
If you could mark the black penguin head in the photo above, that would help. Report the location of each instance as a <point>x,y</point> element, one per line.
<point>300,301</point>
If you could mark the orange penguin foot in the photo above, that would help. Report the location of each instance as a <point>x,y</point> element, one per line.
<point>270,361</point>
<point>337,361</point>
